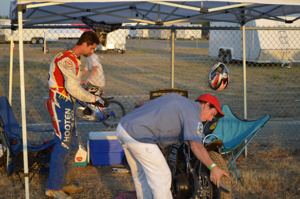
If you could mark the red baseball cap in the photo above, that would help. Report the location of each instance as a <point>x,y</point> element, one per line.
<point>212,100</point>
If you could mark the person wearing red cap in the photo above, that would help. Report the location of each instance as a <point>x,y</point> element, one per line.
<point>161,122</point>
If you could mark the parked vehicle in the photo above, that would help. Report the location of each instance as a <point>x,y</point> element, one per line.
<point>32,35</point>
<point>191,34</point>
<point>115,41</point>
<point>260,47</point>
<point>59,34</point>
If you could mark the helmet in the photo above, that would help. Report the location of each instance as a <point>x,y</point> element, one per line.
<point>93,112</point>
<point>218,76</point>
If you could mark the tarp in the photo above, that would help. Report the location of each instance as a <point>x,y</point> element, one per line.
<point>151,12</point>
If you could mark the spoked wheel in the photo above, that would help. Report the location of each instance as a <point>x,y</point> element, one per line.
<point>117,112</point>
<point>208,189</point>
<point>217,192</point>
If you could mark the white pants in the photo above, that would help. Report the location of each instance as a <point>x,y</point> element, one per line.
<point>150,171</point>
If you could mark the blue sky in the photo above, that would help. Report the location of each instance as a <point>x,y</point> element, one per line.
<point>4,8</point>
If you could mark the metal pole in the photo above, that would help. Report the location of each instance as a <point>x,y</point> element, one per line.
<point>172,56</point>
<point>11,67</point>
<point>245,82</point>
<point>23,108</point>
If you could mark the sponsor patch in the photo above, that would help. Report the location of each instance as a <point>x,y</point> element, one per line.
<point>67,63</point>
<point>213,126</point>
<point>200,130</point>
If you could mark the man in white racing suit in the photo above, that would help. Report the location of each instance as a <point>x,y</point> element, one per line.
<point>64,85</point>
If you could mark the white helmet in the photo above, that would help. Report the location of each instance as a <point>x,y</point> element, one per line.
<point>93,112</point>
<point>218,76</point>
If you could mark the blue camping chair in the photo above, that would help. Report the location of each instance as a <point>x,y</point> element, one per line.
<point>234,132</point>
<point>11,138</point>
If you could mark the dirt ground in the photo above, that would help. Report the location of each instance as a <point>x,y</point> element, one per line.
<point>267,172</point>
<point>98,182</point>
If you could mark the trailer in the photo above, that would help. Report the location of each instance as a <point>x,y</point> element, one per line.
<point>115,41</point>
<point>32,35</point>
<point>191,34</point>
<point>60,34</point>
<point>262,46</point>
<point>136,33</point>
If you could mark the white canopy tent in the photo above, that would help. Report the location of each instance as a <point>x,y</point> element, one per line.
<point>25,13</point>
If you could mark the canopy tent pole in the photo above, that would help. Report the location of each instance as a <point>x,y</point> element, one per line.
<point>10,81</point>
<point>11,67</point>
<point>23,108</point>
<point>172,56</point>
<point>245,75</point>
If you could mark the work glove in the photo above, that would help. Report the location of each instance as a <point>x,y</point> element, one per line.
<point>99,100</point>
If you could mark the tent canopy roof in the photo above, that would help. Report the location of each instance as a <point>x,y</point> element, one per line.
<point>151,12</point>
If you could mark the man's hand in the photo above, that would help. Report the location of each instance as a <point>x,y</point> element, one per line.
<point>216,174</point>
<point>201,153</point>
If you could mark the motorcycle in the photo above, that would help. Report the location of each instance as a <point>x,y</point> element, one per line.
<point>190,177</point>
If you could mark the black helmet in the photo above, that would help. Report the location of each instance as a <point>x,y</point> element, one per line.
<point>218,76</point>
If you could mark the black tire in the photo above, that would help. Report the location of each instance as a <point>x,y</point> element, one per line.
<point>222,55</point>
<point>41,40</point>
<point>228,58</point>
<point>217,192</point>
<point>117,112</point>
<point>209,190</point>
<point>34,41</point>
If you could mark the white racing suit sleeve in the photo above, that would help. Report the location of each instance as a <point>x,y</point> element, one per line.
<point>72,80</point>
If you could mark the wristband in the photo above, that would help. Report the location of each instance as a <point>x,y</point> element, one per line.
<point>212,166</point>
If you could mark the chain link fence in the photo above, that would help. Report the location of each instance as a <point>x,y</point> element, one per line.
<point>136,61</point>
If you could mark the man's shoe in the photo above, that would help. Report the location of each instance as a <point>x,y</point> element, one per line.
<point>71,189</point>
<point>57,194</point>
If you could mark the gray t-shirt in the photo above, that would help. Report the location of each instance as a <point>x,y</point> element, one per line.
<point>165,120</point>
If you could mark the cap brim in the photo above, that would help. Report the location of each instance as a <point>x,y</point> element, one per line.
<point>220,114</point>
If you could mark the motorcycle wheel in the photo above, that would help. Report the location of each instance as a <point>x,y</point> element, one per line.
<point>208,189</point>
<point>118,112</point>
<point>217,192</point>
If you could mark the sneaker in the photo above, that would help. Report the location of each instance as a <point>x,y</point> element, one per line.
<point>57,194</point>
<point>72,188</point>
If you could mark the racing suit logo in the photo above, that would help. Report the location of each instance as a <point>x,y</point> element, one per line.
<point>69,124</point>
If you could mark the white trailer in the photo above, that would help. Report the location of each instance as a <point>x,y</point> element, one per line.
<point>262,46</point>
<point>191,34</point>
<point>31,35</point>
<point>133,33</point>
<point>59,34</point>
<point>115,41</point>
<point>159,33</point>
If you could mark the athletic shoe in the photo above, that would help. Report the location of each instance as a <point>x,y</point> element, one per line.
<point>57,194</point>
<point>72,188</point>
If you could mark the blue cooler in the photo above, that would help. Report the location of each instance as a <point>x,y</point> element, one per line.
<point>105,149</point>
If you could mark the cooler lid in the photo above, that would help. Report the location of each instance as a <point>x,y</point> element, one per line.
<point>103,135</point>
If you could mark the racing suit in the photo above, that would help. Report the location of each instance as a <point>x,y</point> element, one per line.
<point>64,87</point>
